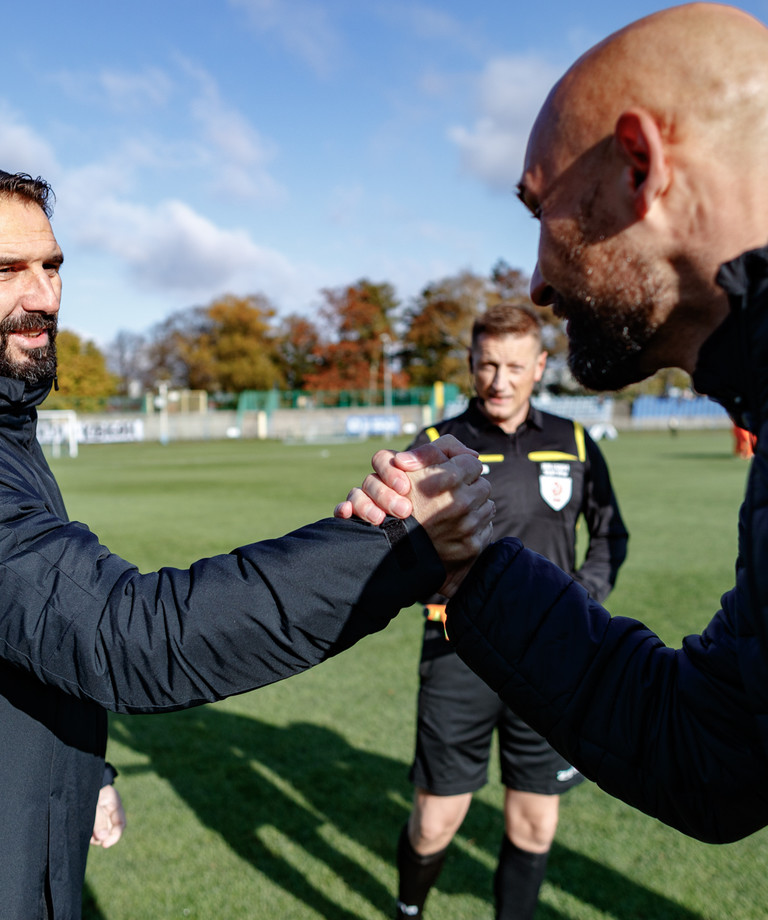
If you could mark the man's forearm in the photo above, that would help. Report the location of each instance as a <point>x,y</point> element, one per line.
<point>97,628</point>
<point>669,731</point>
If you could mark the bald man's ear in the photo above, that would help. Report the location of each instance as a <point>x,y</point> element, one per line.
<point>639,142</point>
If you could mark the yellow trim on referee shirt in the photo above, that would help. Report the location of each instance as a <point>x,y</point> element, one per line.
<point>536,456</point>
<point>541,456</point>
<point>578,433</point>
<point>433,434</point>
<point>544,456</point>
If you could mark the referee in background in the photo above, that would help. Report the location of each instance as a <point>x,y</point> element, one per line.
<point>546,473</point>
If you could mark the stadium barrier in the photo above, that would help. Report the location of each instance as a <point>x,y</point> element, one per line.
<point>678,412</point>
<point>266,416</point>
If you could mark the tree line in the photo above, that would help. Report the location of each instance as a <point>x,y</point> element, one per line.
<point>361,338</point>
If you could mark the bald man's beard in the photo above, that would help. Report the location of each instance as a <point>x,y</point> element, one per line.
<point>612,317</point>
<point>607,344</point>
<point>38,364</point>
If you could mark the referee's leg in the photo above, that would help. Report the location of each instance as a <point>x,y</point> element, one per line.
<point>457,714</point>
<point>534,776</point>
<point>530,823</point>
<point>423,846</point>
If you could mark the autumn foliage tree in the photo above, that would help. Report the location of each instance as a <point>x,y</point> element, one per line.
<point>228,346</point>
<point>83,378</point>
<point>358,327</point>
<point>298,343</point>
<point>510,284</point>
<point>438,328</point>
<point>361,339</point>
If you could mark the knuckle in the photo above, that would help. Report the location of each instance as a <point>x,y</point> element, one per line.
<point>382,459</point>
<point>462,506</point>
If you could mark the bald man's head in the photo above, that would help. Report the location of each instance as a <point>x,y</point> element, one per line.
<point>646,169</point>
<point>696,68</point>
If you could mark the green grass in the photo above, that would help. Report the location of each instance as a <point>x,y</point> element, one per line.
<point>287,802</point>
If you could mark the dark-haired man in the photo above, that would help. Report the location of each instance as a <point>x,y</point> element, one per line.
<point>83,632</point>
<point>546,473</point>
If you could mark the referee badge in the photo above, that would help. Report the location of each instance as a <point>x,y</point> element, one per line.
<point>555,484</point>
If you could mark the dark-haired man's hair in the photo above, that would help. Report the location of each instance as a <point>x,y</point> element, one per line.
<point>507,319</point>
<point>21,185</point>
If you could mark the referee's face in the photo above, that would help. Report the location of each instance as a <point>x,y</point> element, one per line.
<point>505,369</point>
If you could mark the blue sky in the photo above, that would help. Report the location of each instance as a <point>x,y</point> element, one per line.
<point>203,147</point>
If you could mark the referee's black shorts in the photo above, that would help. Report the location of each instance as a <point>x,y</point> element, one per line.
<point>457,714</point>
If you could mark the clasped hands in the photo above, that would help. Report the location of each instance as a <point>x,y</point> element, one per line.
<point>442,486</point>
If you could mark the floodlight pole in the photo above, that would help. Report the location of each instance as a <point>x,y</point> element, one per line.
<point>385,358</point>
<point>162,389</point>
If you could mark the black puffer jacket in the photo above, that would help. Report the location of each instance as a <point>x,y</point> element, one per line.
<point>81,631</point>
<point>681,734</point>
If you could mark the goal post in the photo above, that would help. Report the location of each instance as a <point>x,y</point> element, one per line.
<point>56,427</point>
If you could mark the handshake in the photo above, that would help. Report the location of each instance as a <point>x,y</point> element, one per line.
<point>442,486</point>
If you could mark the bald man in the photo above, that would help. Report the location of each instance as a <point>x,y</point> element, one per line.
<point>647,169</point>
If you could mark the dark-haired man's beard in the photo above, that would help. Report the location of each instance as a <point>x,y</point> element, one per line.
<point>38,364</point>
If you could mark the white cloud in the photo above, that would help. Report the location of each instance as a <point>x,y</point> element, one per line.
<point>345,204</point>
<point>207,133</point>
<point>442,85</point>
<point>123,91</point>
<point>429,23</point>
<point>236,155</point>
<point>151,87</point>
<point>301,25</point>
<point>23,150</point>
<point>172,248</point>
<point>510,92</point>
<point>168,248</point>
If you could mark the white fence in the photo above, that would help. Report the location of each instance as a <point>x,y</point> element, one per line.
<point>56,427</point>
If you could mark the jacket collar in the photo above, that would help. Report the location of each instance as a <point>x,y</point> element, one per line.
<point>729,362</point>
<point>17,396</point>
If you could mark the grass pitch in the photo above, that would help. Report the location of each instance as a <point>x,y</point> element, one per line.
<point>287,802</point>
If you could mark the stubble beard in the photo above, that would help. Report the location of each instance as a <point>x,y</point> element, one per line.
<point>611,326</point>
<point>608,342</point>
<point>39,364</point>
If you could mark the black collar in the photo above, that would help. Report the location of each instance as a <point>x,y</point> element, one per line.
<point>480,420</point>
<point>17,395</point>
<point>730,359</point>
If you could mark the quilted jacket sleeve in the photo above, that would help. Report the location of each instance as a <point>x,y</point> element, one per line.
<point>669,731</point>
<point>82,619</point>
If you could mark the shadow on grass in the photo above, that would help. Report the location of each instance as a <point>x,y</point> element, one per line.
<point>606,890</point>
<point>315,788</point>
<point>90,907</point>
<point>611,893</point>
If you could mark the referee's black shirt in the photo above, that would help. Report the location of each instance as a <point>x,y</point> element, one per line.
<point>544,476</point>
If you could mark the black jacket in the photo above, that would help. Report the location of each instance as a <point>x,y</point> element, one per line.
<point>681,734</point>
<point>82,631</point>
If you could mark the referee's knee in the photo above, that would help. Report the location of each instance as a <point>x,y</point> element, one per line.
<point>435,820</point>
<point>531,820</point>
